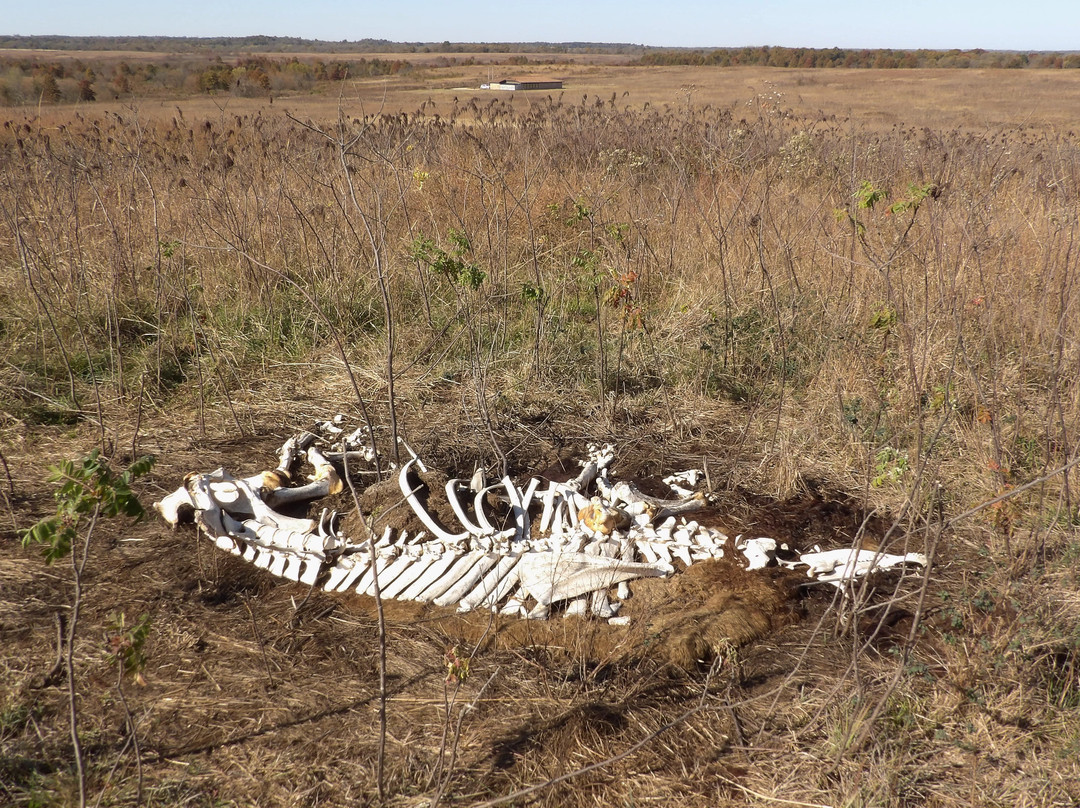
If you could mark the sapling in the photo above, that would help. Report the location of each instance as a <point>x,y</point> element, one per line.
<point>87,490</point>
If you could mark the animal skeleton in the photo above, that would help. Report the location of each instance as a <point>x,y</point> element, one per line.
<point>593,536</point>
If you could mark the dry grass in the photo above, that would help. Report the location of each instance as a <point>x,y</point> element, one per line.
<point>695,279</point>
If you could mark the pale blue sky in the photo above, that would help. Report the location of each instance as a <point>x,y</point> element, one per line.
<point>990,24</point>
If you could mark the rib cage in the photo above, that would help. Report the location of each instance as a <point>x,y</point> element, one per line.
<point>593,536</point>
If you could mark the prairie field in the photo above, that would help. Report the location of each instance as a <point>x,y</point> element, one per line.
<point>851,296</point>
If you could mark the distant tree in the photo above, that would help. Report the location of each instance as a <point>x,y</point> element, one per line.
<point>86,90</point>
<point>216,77</point>
<point>121,83</point>
<point>50,90</point>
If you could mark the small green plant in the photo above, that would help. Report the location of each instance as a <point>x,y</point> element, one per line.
<point>125,649</point>
<point>126,645</point>
<point>582,211</point>
<point>890,465</point>
<point>532,293</point>
<point>867,197</point>
<point>87,491</point>
<point>457,669</point>
<point>915,196</point>
<point>452,264</point>
<point>884,318</point>
<point>87,488</point>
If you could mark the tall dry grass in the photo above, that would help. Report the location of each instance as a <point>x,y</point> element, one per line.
<point>680,252</point>
<point>894,311</point>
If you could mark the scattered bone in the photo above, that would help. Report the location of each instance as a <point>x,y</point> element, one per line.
<point>759,552</point>
<point>844,565</point>
<point>603,519</point>
<point>684,483</point>
<point>552,577</point>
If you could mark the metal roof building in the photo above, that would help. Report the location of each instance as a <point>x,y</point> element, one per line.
<point>526,84</point>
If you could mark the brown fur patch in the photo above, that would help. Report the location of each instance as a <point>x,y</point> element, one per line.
<point>687,620</point>
<point>712,607</point>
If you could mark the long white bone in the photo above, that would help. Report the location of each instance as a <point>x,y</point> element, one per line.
<point>409,576</point>
<point>478,506</point>
<point>629,494</point>
<point>345,572</point>
<point>517,509</point>
<point>844,565</point>
<point>459,512</point>
<point>488,584</point>
<point>424,516</point>
<point>552,577</point>
<point>465,584</point>
<point>461,567</point>
<point>428,578</point>
<point>324,481</point>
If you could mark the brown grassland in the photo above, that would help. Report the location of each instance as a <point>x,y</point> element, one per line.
<point>853,295</point>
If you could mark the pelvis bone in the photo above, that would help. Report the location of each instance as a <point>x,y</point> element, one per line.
<point>592,538</point>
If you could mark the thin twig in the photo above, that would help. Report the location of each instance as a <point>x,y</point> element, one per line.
<point>262,647</point>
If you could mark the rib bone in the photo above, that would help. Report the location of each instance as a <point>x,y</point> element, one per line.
<point>424,516</point>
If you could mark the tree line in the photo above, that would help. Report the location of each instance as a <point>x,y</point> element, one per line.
<point>34,80</point>
<point>881,58</point>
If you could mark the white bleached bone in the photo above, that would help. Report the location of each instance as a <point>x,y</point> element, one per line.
<point>683,482</point>
<point>408,576</point>
<point>345,572</point>
<point>461,567</point>
<point>424,516</point>
<point>579,607</point>
<point>552,577</point>
<point>366,584</point>
<point>290,450</point>
<point>600,605</point>
<point>661,509</point>
<point>390,574</point>
<point>481,515</point>
<point>759,553</point>
<point>179,506</point>
<point>430,576</point>
<point>492,580</point>
<point>517,509</point>
<point>459,512</point>
<point>467,581</point>
<point>548,512</point>
<point>220,490</point>
<point>478,482</point>
<point>324,481</point>
<point>844,565</point>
